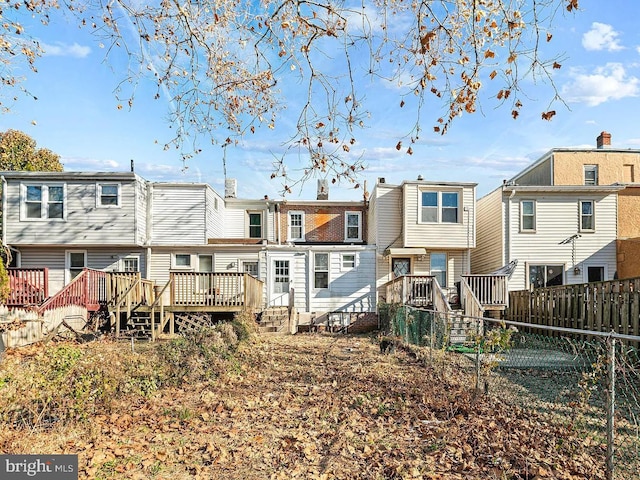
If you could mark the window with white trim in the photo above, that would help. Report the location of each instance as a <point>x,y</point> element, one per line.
<point>321,270</point>
<point>76,262</point>
<point>108,194</point>
<point>528,216</point>
<point>591,174</point>
<point>545,275</point>
<point>205,263</point>
<point>43,202</point>
<point>353,226</point>
<point>130,264</point>
<point>587,217</point>
<point>439,268</point>
<point>296,226</point>
<point>255,224</point>
<point>439,207</point>
<point>251,268</point>
<point>348,261</point>
<point>182,260</point>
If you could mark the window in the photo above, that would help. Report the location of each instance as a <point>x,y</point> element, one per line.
<point>439,268</point>
<point>429,206</point>
<point>348,261</point>
<point>400,267</point>
<point>587,221</point>
<point>108,195</point>
<point>439,207</point>
<point>43,201</point>
<point>353,226</point>
<point>628,174</point>
<point>76,262</point>
<point>296,225</point>
<point>591,175</point>
<point>527,216</point>
<point>449,207</point>
<point>321,270</point>
<point>251,268</point>
<point>545,275</point>
<point>281,277</point>
<point>595,274</point>
<point>182,260</point>
<point>205,263</point>
<point>130,264</point>
<point>255,225</point>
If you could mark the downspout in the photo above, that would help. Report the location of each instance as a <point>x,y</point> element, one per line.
<point>507,251</point>
<point>149,223</point>
<point>4,210</point>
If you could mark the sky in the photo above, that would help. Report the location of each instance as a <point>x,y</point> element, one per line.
<point>76,115</point>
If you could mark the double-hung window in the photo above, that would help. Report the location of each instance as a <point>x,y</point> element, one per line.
<point>42,202</point>
<point>255,225</point>
<point>591,175</point>
<point>587,218</point>
<point>296,226</point>
<point>353,226</point>
<point>527,216</point>
<point>108,195</point>
<point>130,264</point>
<point>439,207</point>
<point>348,261</point>
<point>321,270</point>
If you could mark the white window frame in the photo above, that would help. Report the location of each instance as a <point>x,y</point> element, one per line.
<point>99,194</point>
<point>44,202</point>
<point>315,270</point>
<point>439,207</point>
<point>592,169</point>
<point>261,214</point>
<point>446,267</point>
<point>348,214</point>
<point>534,216</point>
<point>122,260</point>
<point>213,265</point>
<point>546,266</point>
<point>245,263</point>
<point>174,261</point>
<point>67,263</point>
<point>348,266</point>
<point>581,215</point>
<point>290,235</point>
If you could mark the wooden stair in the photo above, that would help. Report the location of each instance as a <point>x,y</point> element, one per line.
<point>274,320</point>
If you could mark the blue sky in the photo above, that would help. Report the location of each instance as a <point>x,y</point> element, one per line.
<point>76,116</point>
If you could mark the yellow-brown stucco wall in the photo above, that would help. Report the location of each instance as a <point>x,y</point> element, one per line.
<point>629,212</point>
<point>614,166</point>
<point>628,258</point>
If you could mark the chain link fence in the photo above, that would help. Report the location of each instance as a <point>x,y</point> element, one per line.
<point>586,381</point>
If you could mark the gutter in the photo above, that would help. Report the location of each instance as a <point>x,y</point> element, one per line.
<point>4,210</point>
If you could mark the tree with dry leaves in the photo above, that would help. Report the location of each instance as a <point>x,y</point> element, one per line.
<point>18,151</point>
<point>222,64</point>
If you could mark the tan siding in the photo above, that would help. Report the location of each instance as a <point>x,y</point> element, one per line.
<point>629,213</point>
<point>438,235</point>
<point>569,166</point>
<point>489,252</point>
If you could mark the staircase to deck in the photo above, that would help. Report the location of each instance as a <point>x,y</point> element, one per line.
<point>274,320</point>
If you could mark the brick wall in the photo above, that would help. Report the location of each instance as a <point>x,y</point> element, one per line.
<point>324,224</point>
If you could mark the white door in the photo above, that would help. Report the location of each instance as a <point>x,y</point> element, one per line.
<point>281,275</point>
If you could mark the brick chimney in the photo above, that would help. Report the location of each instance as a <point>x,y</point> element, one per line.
<point>603,140</point>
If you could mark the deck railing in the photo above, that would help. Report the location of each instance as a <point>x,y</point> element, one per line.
<point>415,290</point>
<point>88,289</point>
<point>490,290</point>
<point>470,303</point>
<point>28,286</point>
<point>204,289</point>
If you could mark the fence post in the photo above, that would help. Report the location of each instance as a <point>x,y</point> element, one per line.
<point>431,338</point>
<point>611,406</point>
<point>406,324</point>
<point>479,338</point>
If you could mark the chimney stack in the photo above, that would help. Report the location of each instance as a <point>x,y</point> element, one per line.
<point>603,140</point>
<point>323,189</point>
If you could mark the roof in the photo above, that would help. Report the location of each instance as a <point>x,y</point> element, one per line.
<point>24,175</point>
<point>563,188</point>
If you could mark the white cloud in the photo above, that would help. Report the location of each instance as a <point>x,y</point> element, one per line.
<point>610,82</point>
<point>81,164</point>
<point>601,37</point>
<point>60,49</point>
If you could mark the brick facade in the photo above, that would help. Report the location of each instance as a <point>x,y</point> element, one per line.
<point>322,223</point>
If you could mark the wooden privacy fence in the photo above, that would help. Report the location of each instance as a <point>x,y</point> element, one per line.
<point>612,306</point>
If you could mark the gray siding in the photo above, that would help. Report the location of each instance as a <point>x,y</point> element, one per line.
<point>539,175</point>
<point>84,224</point>
<point>215,214</point>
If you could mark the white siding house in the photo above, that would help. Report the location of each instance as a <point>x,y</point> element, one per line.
<point>557,234</point>
<point>425,228</point>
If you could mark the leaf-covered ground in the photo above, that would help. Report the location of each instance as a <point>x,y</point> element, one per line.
<point>317,407</point>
